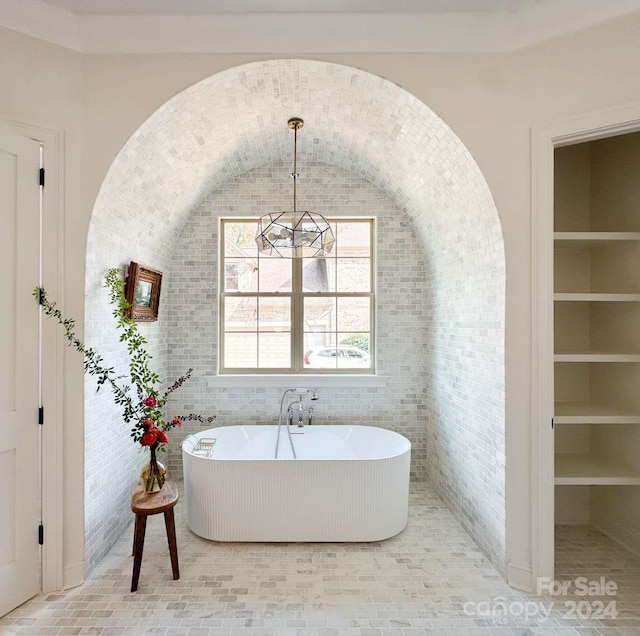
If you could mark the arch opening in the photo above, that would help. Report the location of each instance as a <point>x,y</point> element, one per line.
<point>218,130</point>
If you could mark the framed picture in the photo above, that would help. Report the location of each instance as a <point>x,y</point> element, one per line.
<point>143,292</point>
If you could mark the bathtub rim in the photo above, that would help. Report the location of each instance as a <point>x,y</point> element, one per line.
<point>186,451</point>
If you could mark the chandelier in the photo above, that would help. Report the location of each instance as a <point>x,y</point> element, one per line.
<point>297,233</point>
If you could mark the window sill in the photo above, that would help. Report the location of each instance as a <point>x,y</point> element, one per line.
<point>351,380</point>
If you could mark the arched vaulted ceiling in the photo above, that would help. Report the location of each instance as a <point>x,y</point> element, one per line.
<point>235,121</point>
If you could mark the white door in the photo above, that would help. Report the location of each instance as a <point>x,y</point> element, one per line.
<point>19,381</point>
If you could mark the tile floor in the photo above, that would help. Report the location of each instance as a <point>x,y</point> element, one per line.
<point>431,579</point>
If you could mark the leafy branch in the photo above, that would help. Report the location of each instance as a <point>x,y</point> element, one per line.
<point>93,362</point>
<point>146,410</point>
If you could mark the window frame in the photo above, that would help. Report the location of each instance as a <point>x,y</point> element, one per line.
<point>297,296</point>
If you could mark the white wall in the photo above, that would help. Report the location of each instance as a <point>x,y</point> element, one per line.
<point>491,102</point>
<point>41,85</point>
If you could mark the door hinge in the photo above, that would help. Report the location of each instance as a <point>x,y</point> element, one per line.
<point>41,534</point>
<point>551,423</point>
<point>42,177</point>
<point>41,415</point>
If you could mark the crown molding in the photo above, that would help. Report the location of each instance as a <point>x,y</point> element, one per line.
<point>43,21</point>
<point>173,7</point>
<point>300,33</point>
<point>545,21</point>
<point>294,33</point>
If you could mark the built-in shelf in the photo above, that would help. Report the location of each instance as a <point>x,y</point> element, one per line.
<point>595,297</point>
<point>593,413</point>
<point>593,239</point>
<point>579,469</point>
<point>595,356</point>
<point>595,331</point>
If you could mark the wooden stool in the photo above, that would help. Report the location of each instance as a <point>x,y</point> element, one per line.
<point>144,504</point>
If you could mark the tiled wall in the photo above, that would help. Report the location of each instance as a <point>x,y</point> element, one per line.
<point>365,125</point>
<point>465,388</point>
<point>400,302</point>
<point>112,461</point>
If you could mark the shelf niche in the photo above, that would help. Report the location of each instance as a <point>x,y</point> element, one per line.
<point>597,335</point>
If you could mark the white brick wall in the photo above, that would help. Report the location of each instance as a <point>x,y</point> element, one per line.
<point>234,122</point>
<point>401,274</point>
<point>121,230</point>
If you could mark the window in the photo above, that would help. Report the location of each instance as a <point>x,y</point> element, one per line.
<point>286,315</point>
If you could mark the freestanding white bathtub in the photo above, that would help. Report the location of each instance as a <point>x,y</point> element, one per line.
<point>348,483</point>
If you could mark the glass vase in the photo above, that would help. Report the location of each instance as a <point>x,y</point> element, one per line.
<point>153,473</point>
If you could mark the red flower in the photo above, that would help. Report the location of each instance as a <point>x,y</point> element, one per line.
<point>161,436</point>
<point>149,439</point>
<point>177,422</point>
<point>148,423</point>
<point>150,402</point>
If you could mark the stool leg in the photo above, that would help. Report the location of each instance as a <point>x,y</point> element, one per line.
<point>169,522</point>
<point>141,526</point>
<point>135,529</point>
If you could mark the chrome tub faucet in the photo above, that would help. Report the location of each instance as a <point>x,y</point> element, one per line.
<point>295,407</point>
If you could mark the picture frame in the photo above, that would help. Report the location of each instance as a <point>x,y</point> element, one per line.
<point>142,291</point>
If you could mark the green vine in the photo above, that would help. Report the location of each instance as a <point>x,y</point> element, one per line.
<point>145,409</point>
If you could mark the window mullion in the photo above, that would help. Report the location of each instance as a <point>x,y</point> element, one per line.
<point>223,333</point>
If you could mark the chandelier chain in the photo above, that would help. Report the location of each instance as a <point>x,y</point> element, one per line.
<point>295,174</point>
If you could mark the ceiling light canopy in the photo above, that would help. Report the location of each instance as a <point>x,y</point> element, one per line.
<point>296,233</point>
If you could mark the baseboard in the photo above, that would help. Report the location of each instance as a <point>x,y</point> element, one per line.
<point>520,576</point>
<point>626,536</point>
<point>73,575</point>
